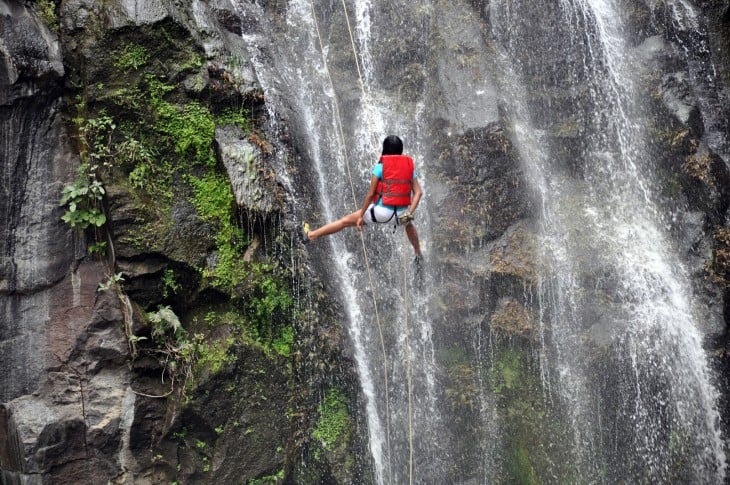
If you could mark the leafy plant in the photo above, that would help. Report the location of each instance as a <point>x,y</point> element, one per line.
<point>98,248</point>
<point>172,347</point>
<point>132,56</point>
<point>82,200</point>
<point>163,321</point>
<point>83,197</point>
<point>169,283</point>
<point>110,282</point>
<point>95,138</point>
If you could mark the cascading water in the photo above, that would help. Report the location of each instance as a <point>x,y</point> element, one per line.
<point>624,353</point>
<point>347,114</point>
<point>627,394</point>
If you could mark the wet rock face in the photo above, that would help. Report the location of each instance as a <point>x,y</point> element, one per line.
<point>68,413</point>
<point>31,56</point>
<point>36,159</point>
<point>30,130</point>
<point>480,189</point>
<point>65,400</point>
<point>66,406</point>
<point>221,431</point>
<point>254,184</point>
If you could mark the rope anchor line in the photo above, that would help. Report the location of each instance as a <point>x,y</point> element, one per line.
<point>364,250</point>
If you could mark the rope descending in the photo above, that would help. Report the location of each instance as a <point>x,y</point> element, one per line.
<point>364,250</point>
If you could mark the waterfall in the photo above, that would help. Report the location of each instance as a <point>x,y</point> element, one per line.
<point>627,391</point>
<point>624,353</point>
<point>344,114</point>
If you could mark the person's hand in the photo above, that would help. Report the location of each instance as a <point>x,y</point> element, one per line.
<point>360,222</point>
<point>405,218</point>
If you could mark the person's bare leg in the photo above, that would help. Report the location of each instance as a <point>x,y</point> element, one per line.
<point>413,238</point>
<point>333,227</point>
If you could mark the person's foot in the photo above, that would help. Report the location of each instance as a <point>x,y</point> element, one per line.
<point>304,234</point>
<point>418,268</point>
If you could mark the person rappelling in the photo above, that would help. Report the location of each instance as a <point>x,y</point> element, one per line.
<point>393,196</point>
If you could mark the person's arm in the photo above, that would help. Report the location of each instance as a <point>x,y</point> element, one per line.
<point>368,200</point>
<point>417,193</point>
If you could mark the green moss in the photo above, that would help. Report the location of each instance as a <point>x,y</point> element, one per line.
<point>214,201</point>
<point>213,355</point>
<point>535,444</point>
<point>268,480</point>
<point>213,197</point>
<point>273,333</point>
<point>46,10</point>
<point>282,344</point>
<point>193,62</point>
<point>131,57</point>
<point>190,127</point>
<point>238,118</point>
<point>270,308</point>
<point>520,466</point>
<point>505,373</point>
<point>334,423</point>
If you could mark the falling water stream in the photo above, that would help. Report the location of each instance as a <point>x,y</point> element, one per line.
<point>386,315</point>
<point>620,341</point>
<point>615,273</point>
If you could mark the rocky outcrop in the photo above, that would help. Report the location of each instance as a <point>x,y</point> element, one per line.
<point>254,184</point>
<point>212,353</point>
<point>63,393</point>
<point>90,395</point>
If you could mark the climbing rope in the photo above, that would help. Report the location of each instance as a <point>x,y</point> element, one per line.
<point>408,366</point>
<point>354,198</point>
<point>405,269</point>
<point>364,250</point>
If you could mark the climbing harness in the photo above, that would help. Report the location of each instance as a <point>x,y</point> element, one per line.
<point>365,255</point>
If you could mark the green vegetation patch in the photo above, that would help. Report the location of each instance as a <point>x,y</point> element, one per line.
<point>535,446</point>
<point>213,199</point>
<point>131,57</point>
<point>190,127</point>
<point>46,10</point>
<point>334,423</point>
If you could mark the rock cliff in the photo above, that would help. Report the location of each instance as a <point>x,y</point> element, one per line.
<point>165,331</point>
<point>172,330</point>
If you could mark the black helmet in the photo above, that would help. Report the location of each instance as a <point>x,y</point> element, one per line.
<point>392,145</point>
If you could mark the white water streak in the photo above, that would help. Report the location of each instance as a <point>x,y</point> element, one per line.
<point>624,223</point>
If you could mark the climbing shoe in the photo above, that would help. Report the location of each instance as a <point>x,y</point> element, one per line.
<point>405,218</point>
<point>304,234</point>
